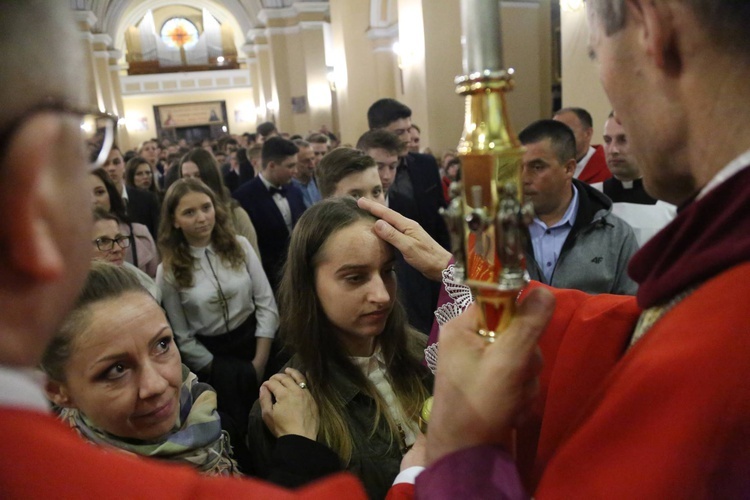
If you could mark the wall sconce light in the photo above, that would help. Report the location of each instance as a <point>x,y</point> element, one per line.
<point>135,123</point>
<point>331,77</point>
<point>571,5</point>
<point>397,51</point>
<point>220,60</point>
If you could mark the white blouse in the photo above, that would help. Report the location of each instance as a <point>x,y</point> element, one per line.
<point>198,310</point>
<point>374,369</point>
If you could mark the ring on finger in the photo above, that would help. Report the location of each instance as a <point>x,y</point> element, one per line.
<point>302,385</point>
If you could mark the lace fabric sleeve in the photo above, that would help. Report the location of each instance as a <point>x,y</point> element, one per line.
<point>460,299</point>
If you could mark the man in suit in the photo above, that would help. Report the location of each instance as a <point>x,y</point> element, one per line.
<point>273,204</point>
<point>417,193</point>
<point>46,251</point>
<point>591,165</point>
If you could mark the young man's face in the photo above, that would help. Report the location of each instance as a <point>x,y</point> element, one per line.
<point>364,184</point>
<point>401,128</point>
<point>387,163</point>
<point>281,173</point>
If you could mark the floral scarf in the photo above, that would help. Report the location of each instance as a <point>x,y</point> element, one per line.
<point>197,438</point>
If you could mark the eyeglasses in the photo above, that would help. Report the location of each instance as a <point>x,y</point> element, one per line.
<point>107,244</point>
<point>97,128</point>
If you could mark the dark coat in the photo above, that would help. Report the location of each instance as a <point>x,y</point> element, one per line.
<point>273,235</point>
<point>143,208</point>
<point>419,294</point>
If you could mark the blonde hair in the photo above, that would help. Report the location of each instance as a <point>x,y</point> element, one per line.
<point>105,281</point>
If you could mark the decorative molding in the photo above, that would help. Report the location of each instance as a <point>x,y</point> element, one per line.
<point>284,13</point>
<point>312,25</point>
<point>185,82</point>
<point>86,35</point>
<point>386,32</point>
<point>311,7</point>
<point>85,17</point>
<point>103,39</point>
<point>283,30</point>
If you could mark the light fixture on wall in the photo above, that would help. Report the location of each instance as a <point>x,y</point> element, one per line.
<point>135,123</point>
<point>571,5</point>
<point>399,56</point>
<point>331,77</point>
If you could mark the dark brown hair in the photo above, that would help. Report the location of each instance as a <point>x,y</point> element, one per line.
<point>308,334</point>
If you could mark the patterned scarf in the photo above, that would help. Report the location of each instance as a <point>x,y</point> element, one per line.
<point>197,438</point>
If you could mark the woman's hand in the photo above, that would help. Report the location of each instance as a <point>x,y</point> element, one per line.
<point>418,248</point>
<point>294,410</point>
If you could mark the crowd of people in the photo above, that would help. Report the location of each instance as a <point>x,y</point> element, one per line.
<point>260,305</point>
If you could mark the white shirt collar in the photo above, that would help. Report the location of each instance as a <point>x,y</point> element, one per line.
<point>266,182</point>
<point>734,166</point>
<point>22,388</point>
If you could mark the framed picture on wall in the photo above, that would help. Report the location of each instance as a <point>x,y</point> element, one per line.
<point>193,121</point>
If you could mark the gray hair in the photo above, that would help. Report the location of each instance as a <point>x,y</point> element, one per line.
<point>42,56</point>
<point>725,21</point>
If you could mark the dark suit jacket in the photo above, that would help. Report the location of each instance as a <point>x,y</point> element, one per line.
<point>273,235</point>
<point>233,181</point>
<point>419,294</point>
<point>143,208</point>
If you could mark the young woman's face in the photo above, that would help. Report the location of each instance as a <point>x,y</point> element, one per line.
<point>196,218</point>
<point>355,283</point>
<point>143,176</point>
<point>108,232</point>
<point>99,193</point>
<point>190,170</point>
<point>115,167</point>
<point>124,372</point>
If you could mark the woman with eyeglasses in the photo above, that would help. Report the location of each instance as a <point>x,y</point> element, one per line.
<point>217,297</point>
<point>142,251</point>
<point>138,173</point>
<point>110,244</point>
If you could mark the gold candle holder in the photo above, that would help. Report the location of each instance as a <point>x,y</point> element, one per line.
<point>487,218</point>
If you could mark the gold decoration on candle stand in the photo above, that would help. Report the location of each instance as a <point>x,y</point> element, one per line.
<point>488,218</point>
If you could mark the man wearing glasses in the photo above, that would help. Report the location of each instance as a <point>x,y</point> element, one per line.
<point>45,141</point>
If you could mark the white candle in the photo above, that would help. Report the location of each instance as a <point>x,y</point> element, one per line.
<point>482,43</point>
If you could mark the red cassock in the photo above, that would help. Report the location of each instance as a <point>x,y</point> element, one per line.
<point>42,458</point>
<point>596,170</point>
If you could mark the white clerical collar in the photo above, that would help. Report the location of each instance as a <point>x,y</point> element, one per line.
<point>734,166</point>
